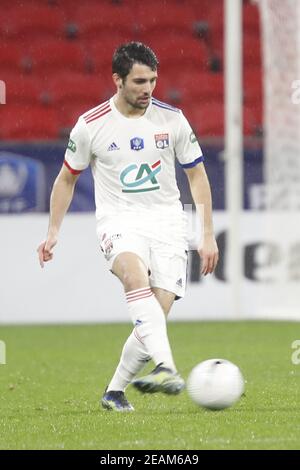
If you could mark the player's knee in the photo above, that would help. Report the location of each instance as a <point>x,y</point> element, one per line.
<point>131,271</point>
<point>133,281</point>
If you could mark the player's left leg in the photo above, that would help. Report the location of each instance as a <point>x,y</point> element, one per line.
<point>161,379</point>
<point>168,280</point>
<point>134,354</point>
<point>165,298</point>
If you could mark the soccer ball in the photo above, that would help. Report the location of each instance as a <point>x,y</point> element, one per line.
<point>215,384</point>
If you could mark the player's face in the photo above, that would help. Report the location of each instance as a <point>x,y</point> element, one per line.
<point>138,86</point>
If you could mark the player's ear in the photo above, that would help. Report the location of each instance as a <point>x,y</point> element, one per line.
<point>117,80</point>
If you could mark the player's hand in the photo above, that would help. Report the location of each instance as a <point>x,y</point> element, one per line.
<point>45,250</point>
<point>209,254</point>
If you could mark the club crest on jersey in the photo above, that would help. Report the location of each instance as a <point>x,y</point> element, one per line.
<point>161,141</point>
<point>140,178</point>
<point>137,143</point>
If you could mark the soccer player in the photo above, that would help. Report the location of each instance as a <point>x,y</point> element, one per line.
<point>131,142</point>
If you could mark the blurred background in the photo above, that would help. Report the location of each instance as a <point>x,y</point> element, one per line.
<point>55,62</point>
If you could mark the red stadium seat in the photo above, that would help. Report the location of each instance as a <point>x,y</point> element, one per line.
<point>96,19</point>
<point>179,53</point>
<point>100,51</point>
<point>28,123</point>
<point>202,8</point>
<point>186,89</point>
<point>251,19</point>
<point>69,114</point>
<point>26,90</point>
<point>251,50</point>
<point>57,55</point>
<point>252,85</point>
<point>79,88</point>
<point>163,18</point>
<point>207,119</point>
<point>252,116</point>
<point>32,20</point>
<point>203,87</point>
<point>212,13</point>
<point>14,58</point>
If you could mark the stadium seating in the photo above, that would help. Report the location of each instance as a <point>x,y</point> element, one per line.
<point>207,119</point>
<point>187,88</point>
<point>99,18</point>
<point>175,20</point>
<point>100,51</point>
<point>55,58</point>
<point>28,123</point>
<point>251,51</point>
<point>69,113</point>
<point>251,18</point>
<point>252,85</point>
<point>32,21</point>
<point>26,90</point>
<point>252,116</point>
<point>57,55</point>
<point>13,58</point>
<point>190,53</point>
<point>78,88</point>
<point>210,19</point>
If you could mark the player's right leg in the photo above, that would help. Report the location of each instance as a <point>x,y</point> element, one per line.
<point>144,309</point>
<point>114,239</point>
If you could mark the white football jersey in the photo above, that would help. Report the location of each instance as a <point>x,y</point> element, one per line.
<point>133,159</point>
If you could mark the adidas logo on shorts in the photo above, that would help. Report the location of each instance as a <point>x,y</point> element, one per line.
<point>179,283</point>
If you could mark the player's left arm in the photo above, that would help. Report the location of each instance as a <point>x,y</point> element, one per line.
<point>201,193</point>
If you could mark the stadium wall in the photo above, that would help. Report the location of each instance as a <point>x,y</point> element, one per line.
<point>76,286</point>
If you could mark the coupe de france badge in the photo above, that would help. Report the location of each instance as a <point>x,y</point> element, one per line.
<point>137,143</point>
<point>161,141</point>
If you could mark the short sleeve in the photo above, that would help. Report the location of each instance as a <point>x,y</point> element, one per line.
<point>187,149</point>
<point>78,152</point>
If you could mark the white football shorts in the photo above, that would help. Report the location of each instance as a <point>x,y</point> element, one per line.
<point>166,263</point>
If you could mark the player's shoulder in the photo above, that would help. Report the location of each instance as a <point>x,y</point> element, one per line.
<point>165,107</point>
<point>167,113</point>
<point>96,114</point>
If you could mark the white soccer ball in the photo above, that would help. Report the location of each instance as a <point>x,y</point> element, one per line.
<point>215,384</point>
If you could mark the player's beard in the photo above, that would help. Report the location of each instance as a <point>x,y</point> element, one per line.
<point>137,103</point>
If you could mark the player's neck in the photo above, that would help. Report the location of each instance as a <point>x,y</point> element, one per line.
<point>126,109</point>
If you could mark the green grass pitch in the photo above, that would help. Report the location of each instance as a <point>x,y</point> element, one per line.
<point>55,375</point>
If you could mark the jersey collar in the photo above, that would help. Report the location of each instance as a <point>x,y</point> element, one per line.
<point>120,115</point>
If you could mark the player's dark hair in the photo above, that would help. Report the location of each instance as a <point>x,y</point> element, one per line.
<point>128,54</point>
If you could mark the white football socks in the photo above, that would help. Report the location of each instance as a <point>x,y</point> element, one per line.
<point>133,358</point>
<point>150,322</point>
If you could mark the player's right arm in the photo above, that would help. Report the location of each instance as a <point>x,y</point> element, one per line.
<point>77,158</point>
<point>60,200</point>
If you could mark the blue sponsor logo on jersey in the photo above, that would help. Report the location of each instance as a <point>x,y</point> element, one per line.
<point>134,176</point>
<point>137,143</point>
